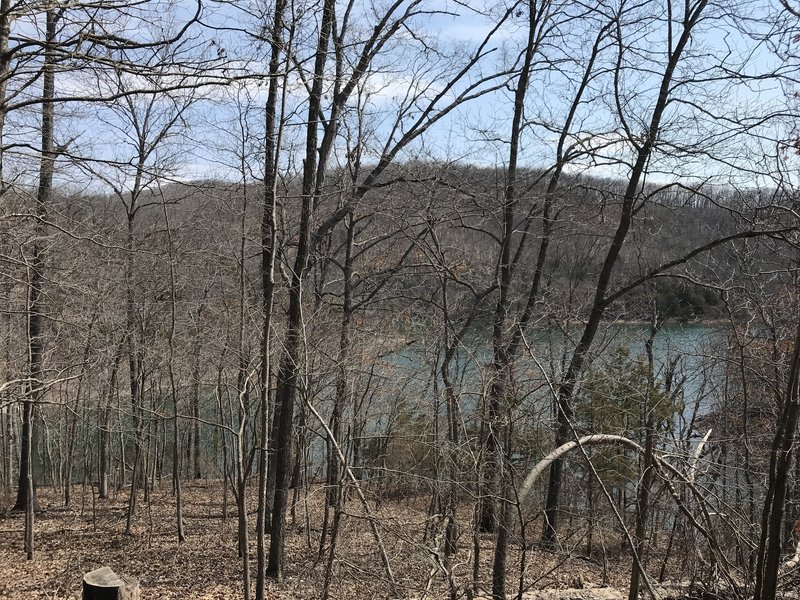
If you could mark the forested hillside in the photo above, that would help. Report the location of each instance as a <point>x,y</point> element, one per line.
<point>400,299</point>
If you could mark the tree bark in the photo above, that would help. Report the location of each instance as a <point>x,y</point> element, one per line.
<point>26,491</point>
<point>105,422</point>
<point>781,456</point>
<point>268,254</point>
<point>601,301</point>
<point>104,584</point>
<point>288,371</point>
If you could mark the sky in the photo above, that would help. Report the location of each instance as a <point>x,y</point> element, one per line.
<point>719,127</point>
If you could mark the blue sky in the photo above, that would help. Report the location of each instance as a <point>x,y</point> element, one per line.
<point>709,112</point>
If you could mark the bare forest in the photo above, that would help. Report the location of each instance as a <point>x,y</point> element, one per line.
<point>400,298</point>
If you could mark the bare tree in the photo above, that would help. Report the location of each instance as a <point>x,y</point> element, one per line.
<point>397,16</point>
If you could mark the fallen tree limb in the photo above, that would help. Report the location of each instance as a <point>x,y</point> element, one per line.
<point>661,466</point>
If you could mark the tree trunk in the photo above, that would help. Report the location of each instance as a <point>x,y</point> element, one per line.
<point>26,498</point>
<point>196,425</point>
<point>176,470</point>
<point>288,371</point>
<point>642,510</point>
<point>70,459</point>
<point>268,254</point>
<point>340,397</point>
<point>198,472</point>
<point>770,547</point>
<point>602,299</point>
<point>501,546</point>
<point>104,584</point>
<point>223,436</point>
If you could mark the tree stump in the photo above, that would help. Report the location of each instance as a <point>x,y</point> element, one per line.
<point>104,584</point>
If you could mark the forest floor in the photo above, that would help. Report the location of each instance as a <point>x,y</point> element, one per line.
<point>87,535</point>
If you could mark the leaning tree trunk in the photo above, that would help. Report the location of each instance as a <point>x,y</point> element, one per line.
<point>602,299</point>
<point>501,363</point>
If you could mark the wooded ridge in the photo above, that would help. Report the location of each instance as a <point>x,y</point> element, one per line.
<point>422,299</point>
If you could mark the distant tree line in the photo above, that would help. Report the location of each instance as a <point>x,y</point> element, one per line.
<point>349,304</point>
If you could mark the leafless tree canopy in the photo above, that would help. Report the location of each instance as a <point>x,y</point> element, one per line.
<point>432,298</point>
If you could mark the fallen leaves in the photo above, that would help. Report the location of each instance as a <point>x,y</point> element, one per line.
<point>71,542</point>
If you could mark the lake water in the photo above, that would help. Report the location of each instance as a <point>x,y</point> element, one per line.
<point>409,373</point>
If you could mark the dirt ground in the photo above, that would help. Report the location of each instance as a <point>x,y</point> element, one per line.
<point>88,535</point>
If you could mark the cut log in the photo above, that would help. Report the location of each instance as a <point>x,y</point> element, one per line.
<point>104,584</point>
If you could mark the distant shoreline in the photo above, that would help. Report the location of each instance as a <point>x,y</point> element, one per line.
<point>644,323</point>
